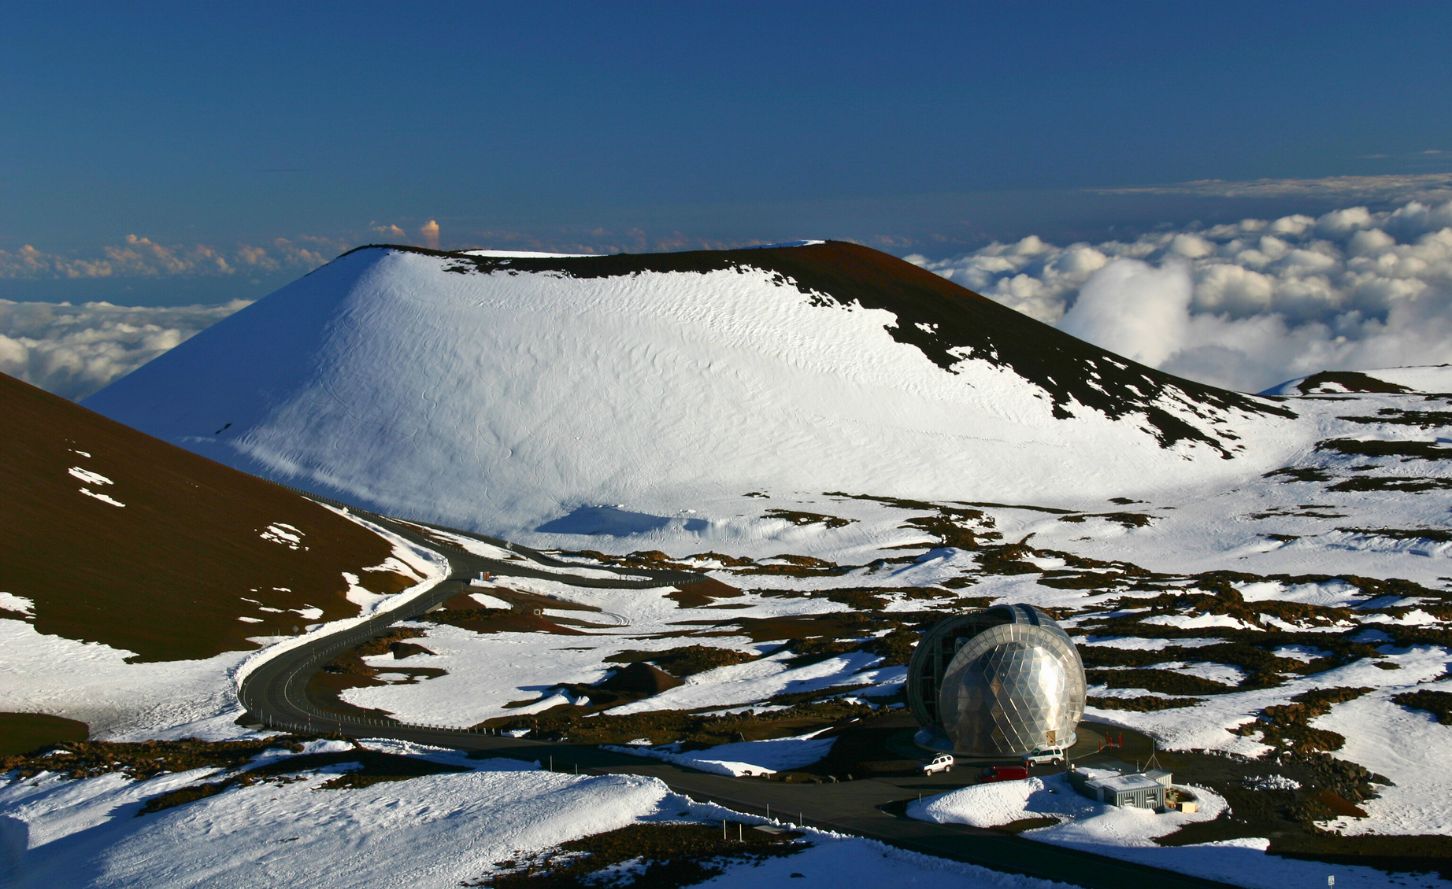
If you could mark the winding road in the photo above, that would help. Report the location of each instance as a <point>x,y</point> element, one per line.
<point>275,695</point>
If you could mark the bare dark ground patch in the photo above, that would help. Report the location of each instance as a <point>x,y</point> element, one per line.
<point>657,856</point>
<point>687,660</point>
<point>371,767</point>
<point>22,733</point>
<point>696,730</point>
<point>143,759</point>
<point>1347,381</point>
<point>798,517</point>
<point>1437,703</point>
<point>702,593</point>
<point>1405,450</point>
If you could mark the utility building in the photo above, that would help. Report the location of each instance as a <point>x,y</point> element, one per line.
<point>1144,790</point>
<point>1001,681</point>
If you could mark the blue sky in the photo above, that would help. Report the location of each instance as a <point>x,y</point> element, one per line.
<point>930,128</point>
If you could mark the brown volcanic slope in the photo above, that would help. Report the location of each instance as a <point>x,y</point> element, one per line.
<point>938,317</point>
<point>166,576</point>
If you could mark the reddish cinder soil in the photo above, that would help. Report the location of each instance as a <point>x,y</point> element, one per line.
<point>22,733</point>
<point>166,575</point>
<point>702,593</point>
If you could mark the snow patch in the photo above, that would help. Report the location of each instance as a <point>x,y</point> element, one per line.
<point>17,604</point>
<point>1273,782</point>
<point>1199,621</point>
<point>742,759</point>
<point>104,498</point>
<point>89,477</point>
<point>287,535</point>
<point>487,601</point>
<point>1135,643</point>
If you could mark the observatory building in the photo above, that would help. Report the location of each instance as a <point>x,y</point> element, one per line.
<point>1001,681</point>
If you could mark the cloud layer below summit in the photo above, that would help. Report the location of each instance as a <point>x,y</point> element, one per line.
<point>1243,305</point>
<point>73,350</point>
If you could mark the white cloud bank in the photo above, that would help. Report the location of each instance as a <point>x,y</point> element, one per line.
<point>73,350</point>
<point>1245,305</point>
<point>138,256</point>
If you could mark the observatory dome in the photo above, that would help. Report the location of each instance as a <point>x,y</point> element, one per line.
<point>1002,681</point>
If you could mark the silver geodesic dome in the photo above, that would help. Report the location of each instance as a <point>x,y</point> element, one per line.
<point>1002,681</point>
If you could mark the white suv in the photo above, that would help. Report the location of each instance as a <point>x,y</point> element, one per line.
<point>1050,755</point>
<point>943,762</point>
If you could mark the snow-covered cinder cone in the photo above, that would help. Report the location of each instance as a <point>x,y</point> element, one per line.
<point>502,392</point>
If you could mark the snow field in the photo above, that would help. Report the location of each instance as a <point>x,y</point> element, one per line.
<point>486,671</point>
<point>1409,747</point>
<point>296,834</point>
<point>94,683</point>
<point>1205,725</point>
<point>766,677</point>
<point>848,861</point>
<point>431,831</point>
